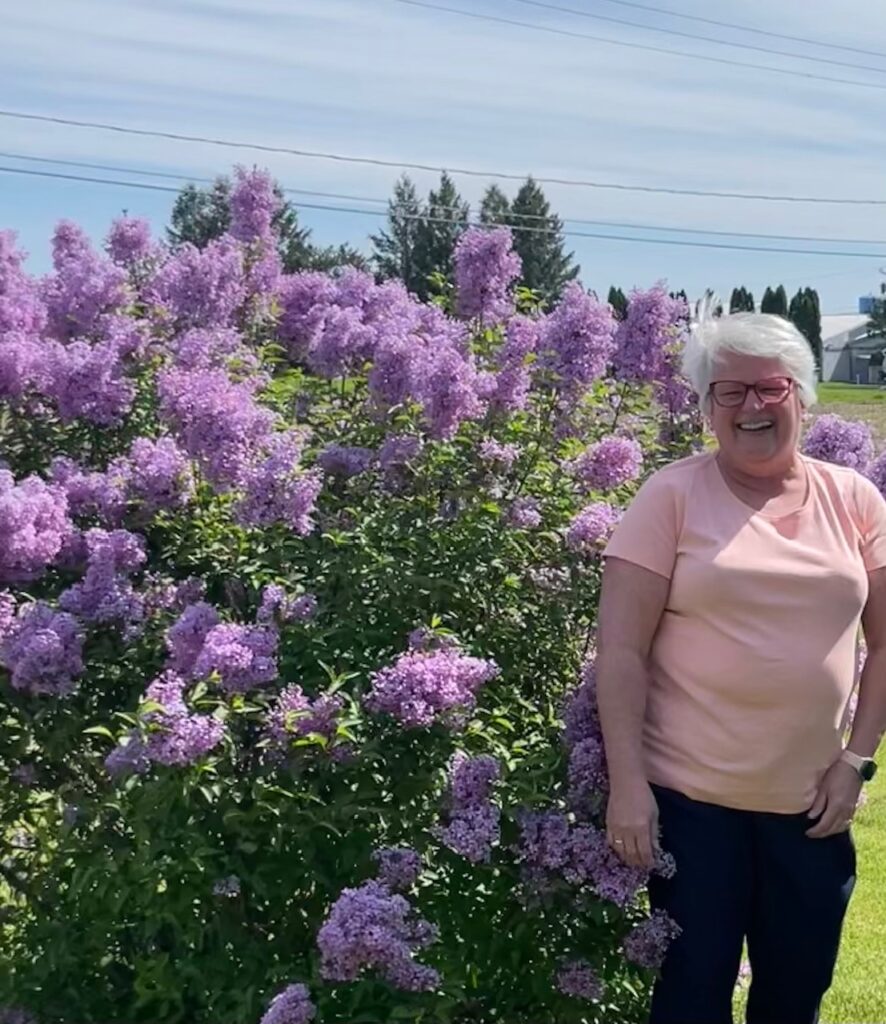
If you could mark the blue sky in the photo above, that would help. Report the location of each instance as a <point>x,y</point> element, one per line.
<point>380,79</point>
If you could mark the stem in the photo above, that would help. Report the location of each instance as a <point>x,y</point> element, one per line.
<point>536,451</point>
<point>621,399</point>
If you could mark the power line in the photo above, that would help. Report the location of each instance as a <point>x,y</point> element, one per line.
<point>691,35</point>
<point>436,168</point>
<point>744,28</point>
<point>517,220</point>
<point>449,220</point>
<point>571,33</point>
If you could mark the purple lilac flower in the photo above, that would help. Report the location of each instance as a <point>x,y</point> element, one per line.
<point>340,460</point>
<point>106,594</point>
<point>588,774</point>
<point>399,450</point>
<point>201,288</point>
<point>294,714</point>
<point>524,513</point>
<point>399,366</point>
<point>277,491</point>
<point>371,928</point>
<point>593,862</point>
<point>473,825</point>
<point>25,775</point>
<point>608,464</point>
<point>304,298</point>
<point>277,606</point>
<point>129,241</point>
<point>643,337</point>
<point>577,340</point>
<point>87,382</point>
<point>128,758</point>
<point>212,348</point>
<point>592,526</point>
<point>7,614</point>
<point>291,1006</point>
<point>22,364</point>
<point>91,495</point>
<point>420,686</point>
<point>581,714</point>
<point>448,392</point>
<point>43,651</point>
<point>21,308</point>
<point>513,381</point>
<point>545,840</point>
<point>494,451</point>
<point>843,442</point>
<point>218,422</point>
<point>228,887</point>
<point>254,203</point>
<point>304,608</point>
<point>577,979</point>
<point>185,638</point>
<point>166,595</point>
<point>157,475</point>
<point>342,345</point>
<point>175,736</point>
<point>83,287</point>
<point>425,639</point>
<point>34,526</point>
<point>877,473</point>
<point>243,656</point>
<point>486,267</point>
<point>647,943</point>
<point>398,867</point>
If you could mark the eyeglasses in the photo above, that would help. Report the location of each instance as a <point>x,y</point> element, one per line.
<point>730,394</point>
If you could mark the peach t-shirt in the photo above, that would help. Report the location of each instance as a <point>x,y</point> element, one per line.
<point>753,663</point>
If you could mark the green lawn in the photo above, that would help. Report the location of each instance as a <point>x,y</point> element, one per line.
<point>851,394</point>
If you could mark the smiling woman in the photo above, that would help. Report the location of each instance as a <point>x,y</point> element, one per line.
<point>732,596</point>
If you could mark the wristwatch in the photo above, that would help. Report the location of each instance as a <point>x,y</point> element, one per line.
<point>865,766</point>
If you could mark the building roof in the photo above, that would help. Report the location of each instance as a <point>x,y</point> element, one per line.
<point>835,325</point>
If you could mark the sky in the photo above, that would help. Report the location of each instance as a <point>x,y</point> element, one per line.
<point>391,81</point>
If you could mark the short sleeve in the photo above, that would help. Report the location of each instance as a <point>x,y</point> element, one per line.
<point>872,523</point>
<point>648,532</point>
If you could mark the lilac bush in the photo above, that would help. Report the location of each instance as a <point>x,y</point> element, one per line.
<point>845,442</point>
<point>298,581</point>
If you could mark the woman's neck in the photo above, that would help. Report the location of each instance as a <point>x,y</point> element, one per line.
<point>785,480</point>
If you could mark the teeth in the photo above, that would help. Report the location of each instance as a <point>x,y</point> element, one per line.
<point>755,426</point>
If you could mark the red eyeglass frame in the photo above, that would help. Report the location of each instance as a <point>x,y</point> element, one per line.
<point>789,383</point>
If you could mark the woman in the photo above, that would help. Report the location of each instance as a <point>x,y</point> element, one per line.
<point>733,591</point>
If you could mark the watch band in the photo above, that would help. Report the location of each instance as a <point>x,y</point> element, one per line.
<point>865,766</point>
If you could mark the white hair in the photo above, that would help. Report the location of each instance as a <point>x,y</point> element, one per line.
<point>748,334</point>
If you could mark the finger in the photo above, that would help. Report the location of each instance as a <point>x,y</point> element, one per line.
<point>828,826</point>
<point>819,804</point>
<point>645,850</point>
<point>633,851</point>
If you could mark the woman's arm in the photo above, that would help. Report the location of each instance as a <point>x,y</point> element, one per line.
<point>631,605</point>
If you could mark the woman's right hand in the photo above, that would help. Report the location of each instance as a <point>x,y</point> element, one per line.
<point>632,823</point>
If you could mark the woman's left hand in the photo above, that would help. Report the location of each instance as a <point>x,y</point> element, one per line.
<point>835,801</point>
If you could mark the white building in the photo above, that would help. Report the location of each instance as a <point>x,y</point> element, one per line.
<point>846,349</point>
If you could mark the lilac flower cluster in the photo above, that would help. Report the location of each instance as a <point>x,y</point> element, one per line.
<point>608,464</point>
<point>398,867</point>
<point>583,737</point>
<point>648,942</point>
<point>43,650</point>
<point>129,757</point>
<point>254,204</point>
<point>156,474</point>
<point>590,529</point>
<point>876,473</point>
<point>174,735</point>
<point>421,686</point>
<point>577,341</point>
<point>87,381</point>
<point>90,494</point>
<point>129,242</point>
<point>524,513</point>
<point>844,442</point>
<point>291,1006</point>
<point>185,638</point>
<point>21,309</point>
<point>513,379</point>
<point>399,450</point>
<point>34,526</point>
<point>495,452</point>
<point>340,460</point>
<point>106,593</point>
<point>371,928</point>
<point>84,286</point>
<point>228,887</point>
<point>652,323</point>
<point>212,348</point>
<point>276,490</point>
<point>294,714</point>
<point>201,287</point>
<point>277,606</point>
<point>486,267</point>
<point>244,657</point>
<point>577,979</point>
<point>473,825</point>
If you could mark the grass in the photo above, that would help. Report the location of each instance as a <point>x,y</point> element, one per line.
<point>855,402</point>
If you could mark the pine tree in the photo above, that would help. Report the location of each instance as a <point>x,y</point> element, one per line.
<point>447,216</point>
<point>495,207</point>
<point>618,300</point>
<point>775,301</point>
<point>742,301</point>
<point>394,252</point>
<point>805,314</point>
<point>538,239</point>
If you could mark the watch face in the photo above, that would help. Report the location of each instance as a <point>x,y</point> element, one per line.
<point>868,770</point>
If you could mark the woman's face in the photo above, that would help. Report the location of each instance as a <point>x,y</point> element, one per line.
<point>759,436</point>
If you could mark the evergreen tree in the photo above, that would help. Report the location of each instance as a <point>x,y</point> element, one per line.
<point>395,249</point>
<point>446,218</point>
<point>805,314</point>
<point>775,301</point>
<point>538,239</point>
<point>618,300</point>
<point>742,301</point>
<point>495,207</point>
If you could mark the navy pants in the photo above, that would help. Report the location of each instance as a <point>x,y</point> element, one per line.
<point>755,876</point>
